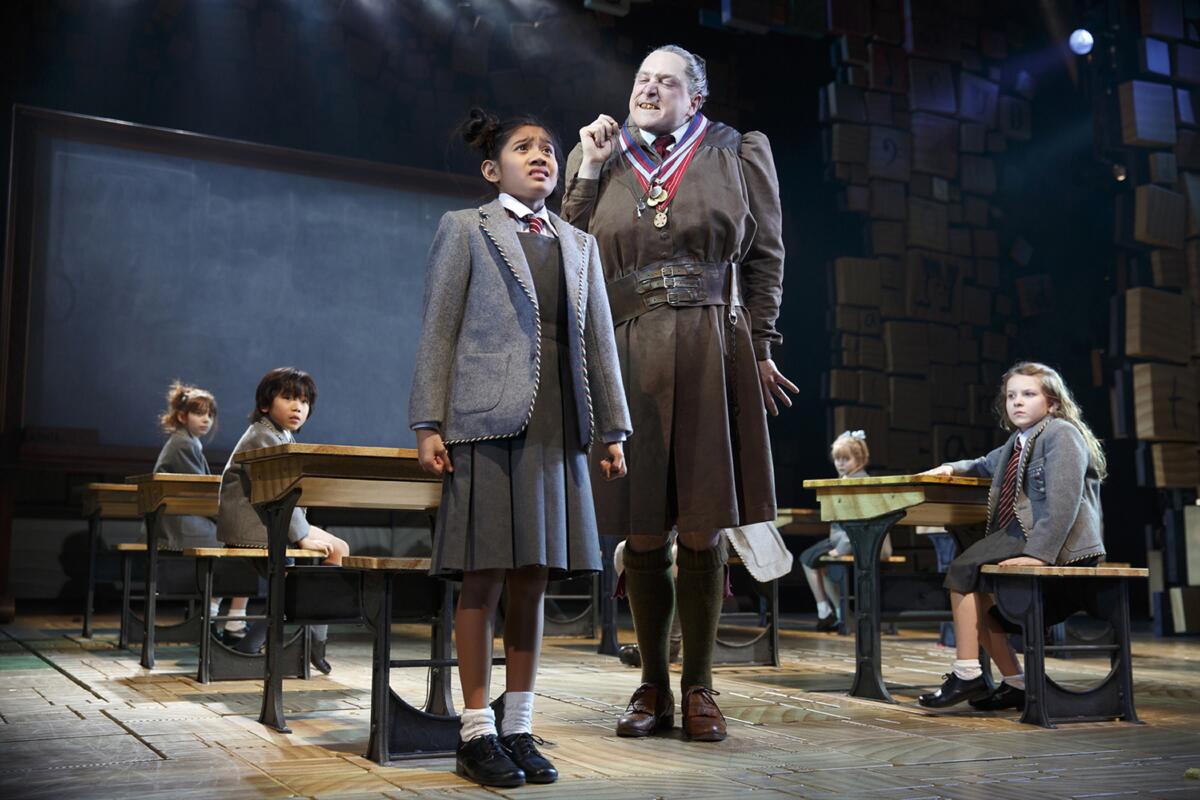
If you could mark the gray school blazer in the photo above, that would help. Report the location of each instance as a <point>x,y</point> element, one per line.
<point>183,454</point>
<point>478,357</point>
<point>238,522</point>
<point>1058,492</point>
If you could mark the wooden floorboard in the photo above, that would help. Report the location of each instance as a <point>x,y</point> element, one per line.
<point>80,718</point>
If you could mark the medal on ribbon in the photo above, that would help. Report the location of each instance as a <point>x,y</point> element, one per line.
<point>661,181</point>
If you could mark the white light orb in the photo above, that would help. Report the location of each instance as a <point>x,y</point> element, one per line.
<point>1081,42</point>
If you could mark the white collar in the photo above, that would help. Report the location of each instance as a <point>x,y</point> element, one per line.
<point>677,133</point>
<point>520,210</point>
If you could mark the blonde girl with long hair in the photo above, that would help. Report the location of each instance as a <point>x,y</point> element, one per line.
<point>1043,508</point>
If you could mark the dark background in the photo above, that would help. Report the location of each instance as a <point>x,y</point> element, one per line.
<point>388,82</point>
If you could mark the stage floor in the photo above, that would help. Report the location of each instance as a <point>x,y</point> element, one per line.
<point>82,719</point>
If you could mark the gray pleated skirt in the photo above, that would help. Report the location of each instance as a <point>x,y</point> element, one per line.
<point>526,500</point>
<point>963,574</point>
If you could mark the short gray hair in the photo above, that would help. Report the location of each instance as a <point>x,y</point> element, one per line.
<point>694,70</point>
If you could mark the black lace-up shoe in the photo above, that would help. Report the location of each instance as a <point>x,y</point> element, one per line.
<point>1003,698</point>
<point>523,749</point>
<point>955,690</point>
<point>484,761</point>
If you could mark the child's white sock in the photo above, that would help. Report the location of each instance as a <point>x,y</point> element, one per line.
<point>477,722</point>
<point>214,607</point>
<point>967,669</point>
<point>518,713</point>
<point>236,624</point>
<point>824,609</point>
<point>1016,681</point>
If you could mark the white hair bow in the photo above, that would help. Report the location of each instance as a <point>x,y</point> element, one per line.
<point>860,435</point>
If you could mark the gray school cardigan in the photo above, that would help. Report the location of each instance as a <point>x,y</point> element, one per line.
<point>477,361</point>
<point>238,522</point>
<point>182,454</point>
<point>1058,492</point>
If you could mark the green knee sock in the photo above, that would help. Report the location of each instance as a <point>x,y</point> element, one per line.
<point>650,588</point>
<point>700,589</point>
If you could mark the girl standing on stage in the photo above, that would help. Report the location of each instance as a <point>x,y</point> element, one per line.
<point>516,378</point>
<point>1045,509</point>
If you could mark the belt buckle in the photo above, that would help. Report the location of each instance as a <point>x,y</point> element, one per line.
<point>681,282</point>
<point>654,300</point>
<point>680,296</point>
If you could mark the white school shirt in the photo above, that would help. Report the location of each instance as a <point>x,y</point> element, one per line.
<point>677,133</point>
<point>520,210</point>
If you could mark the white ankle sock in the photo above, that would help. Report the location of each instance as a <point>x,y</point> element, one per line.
<point>477,722</point>
<point>967,669</point>
<point>1016,681</point>
<point>236,624</point>
<point>518,713</point>
<point>214,607</point>
<point>824,609</point>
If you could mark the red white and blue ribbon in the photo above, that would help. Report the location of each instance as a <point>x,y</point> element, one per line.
<point>675,164</point>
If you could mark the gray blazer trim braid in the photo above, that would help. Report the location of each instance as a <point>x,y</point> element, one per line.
<point>239,522</point>
<point>1058,492</point>
<point>479,357</point>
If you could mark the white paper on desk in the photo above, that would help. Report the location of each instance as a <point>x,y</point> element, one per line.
<point>762,550</point>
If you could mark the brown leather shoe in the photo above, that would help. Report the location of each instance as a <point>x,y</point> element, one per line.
<point>650,710</point>
<point>702,720</point>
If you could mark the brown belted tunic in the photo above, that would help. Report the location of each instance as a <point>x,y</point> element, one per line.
<point>700,454</point>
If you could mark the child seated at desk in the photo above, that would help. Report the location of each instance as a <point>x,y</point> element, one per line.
<point>850,454</point>
<point>1044,510</point>
<point>283,402</point>
<point>191,415</point>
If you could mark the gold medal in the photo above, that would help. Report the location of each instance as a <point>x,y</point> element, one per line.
<point>652,201</point>
<point>660,218</point>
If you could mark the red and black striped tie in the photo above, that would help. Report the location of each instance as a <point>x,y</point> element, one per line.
<point>1005,513</point>
<point>534,223</point>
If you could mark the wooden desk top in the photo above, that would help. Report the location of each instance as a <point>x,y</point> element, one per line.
<point>341,476</point>
<point>245,552</point>
<point>387,563</point>
<point>177,493</point>
<point>1068,571</point>
<point>933,500</point>
<point>894,480</point>
<point>111,500</point>
<point>801,520</point>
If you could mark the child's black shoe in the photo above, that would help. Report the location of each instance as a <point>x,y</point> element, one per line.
<point>955,690</point>
<point>484,761</point>
<point>523,749</point>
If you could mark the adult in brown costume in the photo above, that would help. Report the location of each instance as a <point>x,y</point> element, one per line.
<point>686,213</point>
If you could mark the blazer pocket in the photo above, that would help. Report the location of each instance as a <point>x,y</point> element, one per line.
<point>1035,478</point>
<point>479,380</point>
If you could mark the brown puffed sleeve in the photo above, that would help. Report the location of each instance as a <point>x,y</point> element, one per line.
<point>762,267</point>
<point>579,197</point>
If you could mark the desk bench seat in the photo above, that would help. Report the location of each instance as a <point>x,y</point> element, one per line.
<point>399,730</point>
<point>762,648</point>
<point>231,572</point>
<point>178,583</point>
<point>1103,592</point>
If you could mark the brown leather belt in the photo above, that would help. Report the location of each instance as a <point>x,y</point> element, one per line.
<point>674,282</point>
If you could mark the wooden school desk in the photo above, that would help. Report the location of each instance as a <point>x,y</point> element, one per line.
<point>324,476</point>
<point>868,508</point>
<point>160,494</point>
<point>103,501</point>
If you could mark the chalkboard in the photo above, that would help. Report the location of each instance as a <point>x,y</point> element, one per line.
<point>149,266</point>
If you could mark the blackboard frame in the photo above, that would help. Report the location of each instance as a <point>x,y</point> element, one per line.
<point>32,125</point>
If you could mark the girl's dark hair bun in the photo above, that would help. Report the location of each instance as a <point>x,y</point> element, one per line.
<point>479,131</point>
